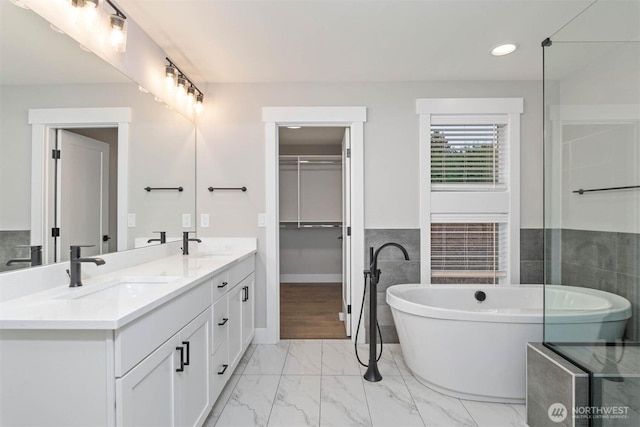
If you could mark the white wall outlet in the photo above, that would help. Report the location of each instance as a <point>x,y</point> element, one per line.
<point>186,220</point>
<point>131,220</point>
<point>262,220</point>
<point>204,220</point>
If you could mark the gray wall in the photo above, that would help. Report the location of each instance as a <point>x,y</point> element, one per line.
<point>231,151</point>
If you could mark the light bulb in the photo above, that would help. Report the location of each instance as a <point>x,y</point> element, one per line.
<point>191,95</point>
<point>181,89</point>
<point>170,75</point>
<point>198,107</point>
<point>117,36</point>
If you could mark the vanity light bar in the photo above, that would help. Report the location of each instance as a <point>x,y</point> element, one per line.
<point>183,80</point>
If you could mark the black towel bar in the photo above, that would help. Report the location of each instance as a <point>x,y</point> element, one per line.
<point>228,188</point>
<point>628,187</point>
<point>163,188</point>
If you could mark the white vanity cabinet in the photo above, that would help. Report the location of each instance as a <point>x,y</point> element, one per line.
<point>171,386</point>
<point>166,367</point>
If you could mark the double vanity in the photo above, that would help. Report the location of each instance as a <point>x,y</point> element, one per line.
<point>147,344</point>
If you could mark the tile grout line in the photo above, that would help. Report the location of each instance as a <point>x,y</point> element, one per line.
<point>275,396</point>
<point>411,395</point>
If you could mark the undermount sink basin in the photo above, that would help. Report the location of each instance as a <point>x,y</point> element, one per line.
<point>124,287</point>
<point>213,255</point>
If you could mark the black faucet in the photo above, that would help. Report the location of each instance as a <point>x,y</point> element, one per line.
<point>373,374</point>
<point>373,271</point>
<point>34,259</point>
<point>162,239</point>
<point>186,240</point>
<point>75,261</point>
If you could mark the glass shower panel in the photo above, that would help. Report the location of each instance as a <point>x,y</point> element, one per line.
<point>592,219</point>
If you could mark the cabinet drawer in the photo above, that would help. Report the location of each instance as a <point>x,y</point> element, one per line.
<point>219,374</point>
<point>241,270</point>
<point>220,324</point>
<point>135,341</point>
<point>219,285</point>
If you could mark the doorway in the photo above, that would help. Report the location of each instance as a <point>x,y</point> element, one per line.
<point>352,118</point>
<point>313,237</point>
<point>83,197</point>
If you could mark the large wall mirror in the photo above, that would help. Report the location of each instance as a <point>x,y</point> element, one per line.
<point>115,143</point>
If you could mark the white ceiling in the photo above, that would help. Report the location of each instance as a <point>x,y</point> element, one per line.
<point>352,40</point>
<point>328,40</point>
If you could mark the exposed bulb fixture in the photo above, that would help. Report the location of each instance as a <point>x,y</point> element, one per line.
<point>198,107</point>
<point>117,35</point>
<point>170,74</point>
<point>91,4</point>
<point>191,95</point>
<point>184,87</point>
<point>182,82</point>
<point>504,49</point>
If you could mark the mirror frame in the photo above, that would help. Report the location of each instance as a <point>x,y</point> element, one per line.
<point>42,121</point>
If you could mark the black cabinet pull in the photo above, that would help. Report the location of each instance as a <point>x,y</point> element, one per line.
<point>245,290</point>
<point>224,368</point>
<point>181,350</point>
<point>223,285</point>
<point>224,320</point>
<point>186,344</point>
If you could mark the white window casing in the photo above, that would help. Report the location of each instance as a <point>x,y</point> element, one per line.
<point>469,182</point>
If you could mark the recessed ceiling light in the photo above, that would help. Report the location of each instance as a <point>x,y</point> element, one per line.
<point>294,127</point>
<point>504,49</point>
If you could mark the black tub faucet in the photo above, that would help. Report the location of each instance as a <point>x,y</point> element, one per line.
<point>34,259</point>
<point>162,239</point>
<point>75,261</point>
<point>186,240</point>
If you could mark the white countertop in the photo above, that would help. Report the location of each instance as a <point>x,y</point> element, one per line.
<point>99,305</point>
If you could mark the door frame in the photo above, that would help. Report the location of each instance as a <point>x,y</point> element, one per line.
<point>274,117</point>
<point>42,121</point>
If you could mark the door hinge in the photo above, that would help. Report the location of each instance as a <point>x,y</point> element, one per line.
<point>55,232</point>
<point>349,309</point>
<point>348,231</point>
<point>348,152</point>
<point>55,154</point>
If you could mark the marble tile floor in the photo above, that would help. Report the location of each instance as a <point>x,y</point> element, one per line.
<point>299,383</point>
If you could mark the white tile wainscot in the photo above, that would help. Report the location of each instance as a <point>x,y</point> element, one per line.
<point>153,354</point>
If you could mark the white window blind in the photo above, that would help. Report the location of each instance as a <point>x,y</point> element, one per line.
<point>468,252</point>
<point>468,156</point>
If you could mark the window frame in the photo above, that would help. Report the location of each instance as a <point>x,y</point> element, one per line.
<point>472,205</point>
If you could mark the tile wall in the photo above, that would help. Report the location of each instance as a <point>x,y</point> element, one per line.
<point>8,250</point>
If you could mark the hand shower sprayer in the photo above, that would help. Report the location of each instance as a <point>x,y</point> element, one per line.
<point>373,374</point>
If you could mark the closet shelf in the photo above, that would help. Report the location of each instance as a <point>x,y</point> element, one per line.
<point>310,224</point>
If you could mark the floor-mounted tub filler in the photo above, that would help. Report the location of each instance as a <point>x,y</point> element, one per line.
<point>470,341</point>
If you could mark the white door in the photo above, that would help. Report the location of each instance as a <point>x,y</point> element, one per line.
<point>83,194</point>
<point>346,227</point>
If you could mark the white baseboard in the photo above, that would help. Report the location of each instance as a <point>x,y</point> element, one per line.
<point>311,278</point>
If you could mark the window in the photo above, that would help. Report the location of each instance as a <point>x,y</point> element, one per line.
<point>468,253</point>
<point>469,159</point>
<point>468,156</point>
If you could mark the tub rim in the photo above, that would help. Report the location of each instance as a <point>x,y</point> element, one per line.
<point>620,308</point>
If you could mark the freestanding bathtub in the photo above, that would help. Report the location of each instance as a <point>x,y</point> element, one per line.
<point>476,350</point>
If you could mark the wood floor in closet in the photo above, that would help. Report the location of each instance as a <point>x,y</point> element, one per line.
<point>310,311</point>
